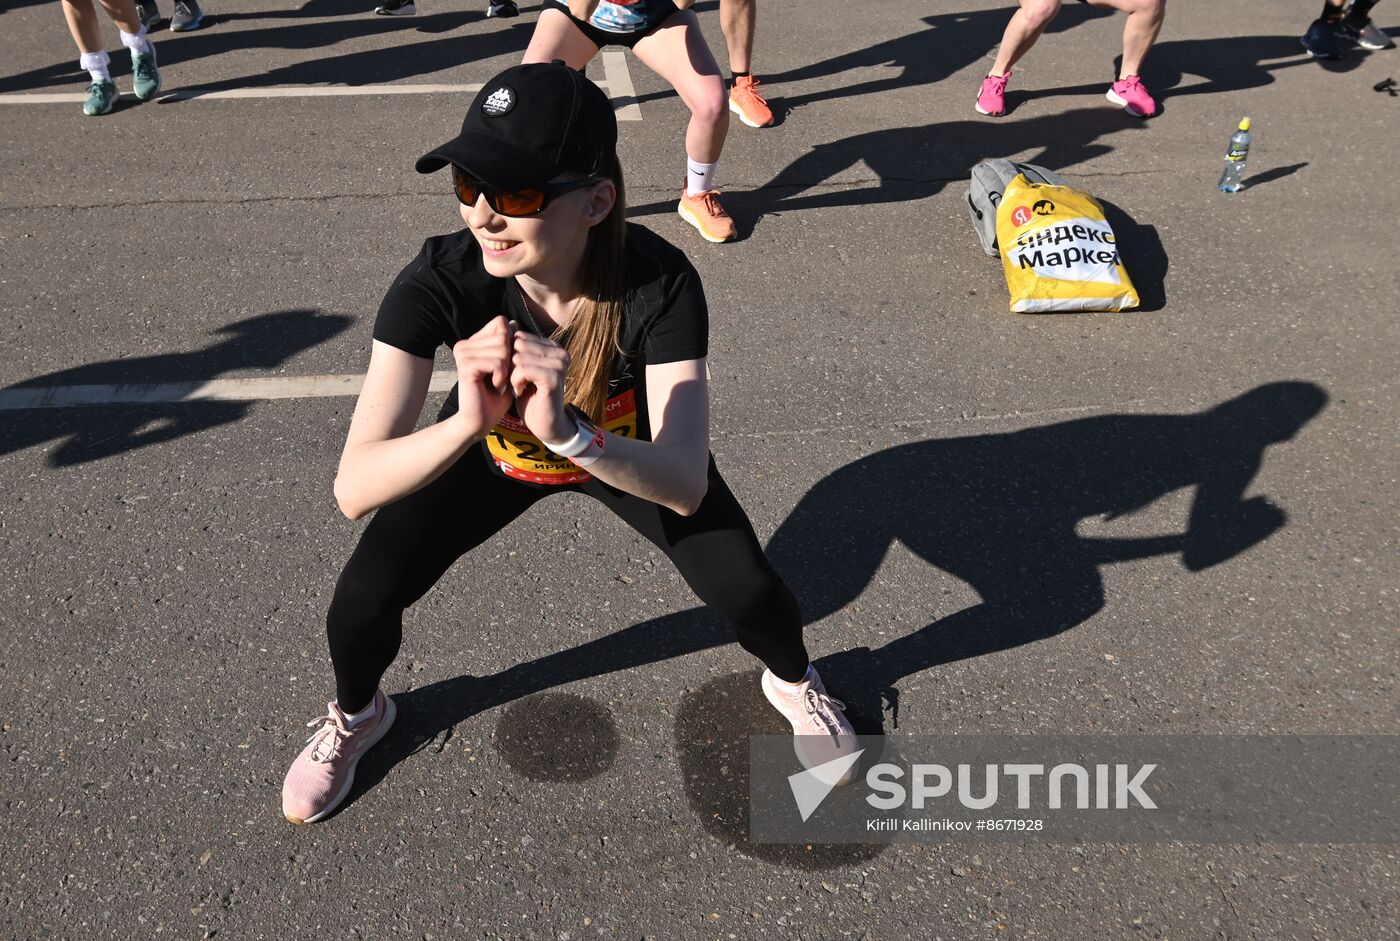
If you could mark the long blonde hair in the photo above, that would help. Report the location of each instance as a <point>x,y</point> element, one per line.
<point>592,335</point>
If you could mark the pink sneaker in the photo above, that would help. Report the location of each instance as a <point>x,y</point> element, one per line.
<point>991,100</point>
<point>821,732</point>
<point>1130,93</point>
<point>322,774</point>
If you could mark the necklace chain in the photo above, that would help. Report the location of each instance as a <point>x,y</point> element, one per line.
<point>533,324</point>
<point>525,306</point>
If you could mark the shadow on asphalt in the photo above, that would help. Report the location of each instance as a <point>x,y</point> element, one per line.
<point>713,725</point>
<point>9,6</point>
<point>999,512</point>
<point>956,41</point>
<point>949,43</point>
<point>1143,256</point>
<point>367,67</point>
<point>1268,176</point>
<point>89,434</point>
<point>381,65</point>
<point>914,163</point>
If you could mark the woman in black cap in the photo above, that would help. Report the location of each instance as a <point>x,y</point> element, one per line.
<point>580,344</point>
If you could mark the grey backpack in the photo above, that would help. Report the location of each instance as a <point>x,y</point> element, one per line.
<point>989,179</point>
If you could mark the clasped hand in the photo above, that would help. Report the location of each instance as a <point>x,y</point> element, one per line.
<point>501,363</point>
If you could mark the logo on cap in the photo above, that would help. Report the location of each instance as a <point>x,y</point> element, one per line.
<point>498,102</point>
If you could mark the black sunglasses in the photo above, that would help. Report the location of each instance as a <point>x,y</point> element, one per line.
<point>526,201</point>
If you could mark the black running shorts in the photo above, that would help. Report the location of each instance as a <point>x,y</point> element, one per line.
<point>658,12</point>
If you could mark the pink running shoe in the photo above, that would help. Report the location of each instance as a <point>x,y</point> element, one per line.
<point>821,732</point>
<point>991,100</point>
<point>1130,93</point>
<point>322,774</point>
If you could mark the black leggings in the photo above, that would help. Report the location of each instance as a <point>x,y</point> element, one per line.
<point>410,544</point>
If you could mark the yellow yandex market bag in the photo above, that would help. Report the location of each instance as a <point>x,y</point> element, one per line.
<point>1058,251</point>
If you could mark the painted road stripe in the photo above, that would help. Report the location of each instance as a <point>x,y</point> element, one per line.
<point>272,91</point>
<point>617,82</point>
<point>213,390</point>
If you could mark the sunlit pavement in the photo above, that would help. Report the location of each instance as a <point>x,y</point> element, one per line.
<point>978,494</point>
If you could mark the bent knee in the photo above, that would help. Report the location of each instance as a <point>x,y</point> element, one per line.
<point>359,607</point>
<point>759,603</point>
<point>1040,12</point>
<point>712,105</point>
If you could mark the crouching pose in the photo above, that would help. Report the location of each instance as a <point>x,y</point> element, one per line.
<point>580,345</point>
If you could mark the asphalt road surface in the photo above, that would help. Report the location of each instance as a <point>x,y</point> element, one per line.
<point>1000,502</point>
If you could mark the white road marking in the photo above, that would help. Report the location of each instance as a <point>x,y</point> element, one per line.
<point>344,386</point>
<point>271,91</point>
<point>213,390</point>
<point>253,389</point>
<point>617,82</point>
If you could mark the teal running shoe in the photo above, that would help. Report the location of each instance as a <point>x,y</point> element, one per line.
<point>145,77</point>
<point>101,97</point>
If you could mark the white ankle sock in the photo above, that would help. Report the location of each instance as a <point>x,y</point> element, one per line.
<point>354,719</point>
<point>783,686</point>
<point>136,42</point>
<point>699,177</point>
<point>95,64</point>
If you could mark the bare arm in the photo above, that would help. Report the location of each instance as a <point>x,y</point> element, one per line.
<point>671,469</point>
<point>384,459</point>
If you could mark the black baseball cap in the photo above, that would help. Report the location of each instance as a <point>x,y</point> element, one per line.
<point>528,125</point>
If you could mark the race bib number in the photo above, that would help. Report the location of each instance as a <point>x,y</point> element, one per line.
<point>522,456</point>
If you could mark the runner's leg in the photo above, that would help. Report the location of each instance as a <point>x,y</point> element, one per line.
<point>405,550</point>
<point>719,556</point>
<point>556,37</point>
<point>1025,28</point>
<point>678,53</point>
<point>736,21</point>
<point>736,18</point>
<point>86,31</point>
<point>1139,31</point>
<point>124,14</point>
<point>1322,40</point>
<point>83,25</point>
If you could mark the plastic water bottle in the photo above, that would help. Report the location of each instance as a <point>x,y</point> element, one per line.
<point>1231,181</point>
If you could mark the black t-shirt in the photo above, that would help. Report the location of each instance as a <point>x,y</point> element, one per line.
<point>446,295</point>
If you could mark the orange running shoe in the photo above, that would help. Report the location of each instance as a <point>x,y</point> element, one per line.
<point>705,213</point>
<point>748,104</point>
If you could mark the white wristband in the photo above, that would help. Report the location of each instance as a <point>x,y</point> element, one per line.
<point>593,451</point>
<point>575,445</point>
<point>586,446</point>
